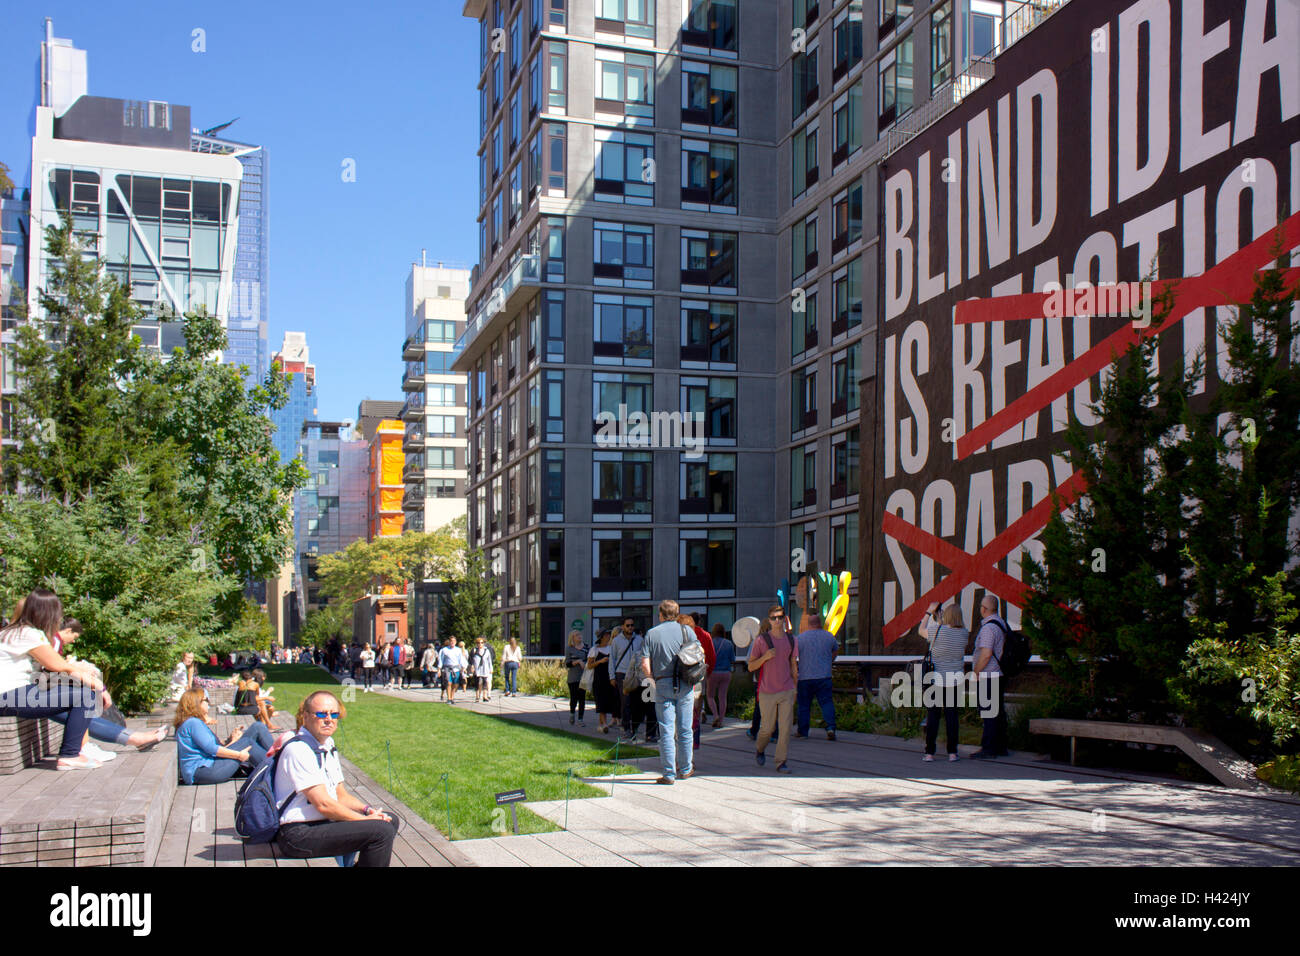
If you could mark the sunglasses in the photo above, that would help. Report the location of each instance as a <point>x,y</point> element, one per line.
<point>775,617</point>
<point>327,715</point>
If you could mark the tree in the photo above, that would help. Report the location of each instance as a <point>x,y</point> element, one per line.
<point>332,620</point>
<point>143,591</point>
<point>472,598</point>
<point>5,182</point>
<point>366,567</point>
<point>252,631</point>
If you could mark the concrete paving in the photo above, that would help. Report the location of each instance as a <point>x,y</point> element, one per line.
<point>868,799</point>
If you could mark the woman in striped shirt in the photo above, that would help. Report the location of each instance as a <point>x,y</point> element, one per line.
<point>947,650</point>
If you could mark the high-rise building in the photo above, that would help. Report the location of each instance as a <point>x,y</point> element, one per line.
<point>14,214</point>
<point>294,361</point>
<point>434,439</point>
<point>164,218</point>
<point>627,250</point>
<point>246,325</point>
<point>380,424</point>
<point>330,512</point>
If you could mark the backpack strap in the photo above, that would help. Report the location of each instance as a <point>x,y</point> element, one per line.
<point>320,762</point>
<point>1006,636</point>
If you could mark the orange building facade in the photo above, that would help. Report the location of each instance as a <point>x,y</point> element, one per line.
<point>386,464</point>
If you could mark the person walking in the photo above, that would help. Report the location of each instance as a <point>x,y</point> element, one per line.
<point>817,652</point>
<point>449,663</point>
<point>774,655</point>
<point>990,644</point>
<point>724,653</point>
<point>480,666</point>
<point>429,665</point>
<point>674,698</point>
<point>511,658</point>
<point>601,685</point>
<point>947,653</point>
<point>575,659</point>
<point>368,665</point>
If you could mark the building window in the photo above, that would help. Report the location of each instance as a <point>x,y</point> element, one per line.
<point>624,327</point>
<point>803,247</point>
<point>709,486</point>
<point>534,165</point>
<point>713,402</point>
<point>632,391</point>
<point>634,18</point>
<point>624,167</point>
<point>803,398</point>
<point>623,484</point>
<point>711,25</point>
<point>844,543</point>
<point>553,325</point>
<point>708,176</point>
<point>555,159</point>
<point>553,484</point>
<point>803,480</point>
<point>625,83</point>
<point>554,396</point>
<point>708,96</point>
<point>440,394</point>
<point>440,488</point>
<point>941,46</point>
<point>621,560</point>
<point>516,196</point>
<point>557,79</point>
<point>848,298</point>
<point>516,47</point>
<point>440,458</point>
<point>848,124</point>
<point>848,40</point>
<point>845,367</point>
<point>496,152</point>
<point>534,88</point>
<point>624,254</point>
<point>709,333</point>
<point>557,12</point>
<point>514,122</point>
<point>892,13</point>
<point>847,209</point>
<point>804,12</point>
<point>707,561</point>
<point>896,83</point>
<point>803,326</point>
<point>554,248</point>
<point>709,261</point>
<point>804,72</point>
<point>803,159</point>
<point>497,71</point>
<point>553,565</point>
<point>844,464</point>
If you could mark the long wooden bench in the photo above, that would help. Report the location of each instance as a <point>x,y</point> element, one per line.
<point>25,742</point>
<point>1210,753</point>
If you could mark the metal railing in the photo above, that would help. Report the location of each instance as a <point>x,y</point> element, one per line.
<point>527,269</point>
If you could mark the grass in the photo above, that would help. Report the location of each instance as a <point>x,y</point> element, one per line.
<point>480,754</point>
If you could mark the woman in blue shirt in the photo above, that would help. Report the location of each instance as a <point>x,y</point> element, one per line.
<point>202,758</point>
<point>720,678</point>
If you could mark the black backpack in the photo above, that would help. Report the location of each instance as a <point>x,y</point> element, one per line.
<point>1015,651</point>
<point>257,814</point>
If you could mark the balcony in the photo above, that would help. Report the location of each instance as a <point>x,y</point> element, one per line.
<point>413,410</point>
<point>413,347</point>
<point>413,377</point>
<point>526,275</point>
<point>413,497</point>
<point>413,471</point>
<point>413,437</point>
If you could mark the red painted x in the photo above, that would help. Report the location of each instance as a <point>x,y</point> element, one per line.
<point>1229,282</point>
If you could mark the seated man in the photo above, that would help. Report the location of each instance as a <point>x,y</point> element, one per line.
<point>322,819</point>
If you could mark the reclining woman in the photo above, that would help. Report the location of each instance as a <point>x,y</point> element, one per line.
<point>26,643</point>
<point>202,757</point>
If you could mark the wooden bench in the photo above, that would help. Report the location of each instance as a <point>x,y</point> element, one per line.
<point>25,742</point>
<point>1210,753</point>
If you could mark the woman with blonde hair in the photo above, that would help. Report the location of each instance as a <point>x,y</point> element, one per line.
<point>947,653</point>
<point>201,756</point>
<point>575,659</point>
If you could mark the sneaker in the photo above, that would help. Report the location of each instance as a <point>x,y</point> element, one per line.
<point>688,774</point>
<point>77,763</point>
<point>97,753</point>
<point>666,781</point>
<point>928,758</point>
<point>784,768</point>
<point>953,758</point>
<point>830,735</point>
<point>760,758</point>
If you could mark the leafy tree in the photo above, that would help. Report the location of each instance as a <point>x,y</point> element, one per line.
<point>5,181</point>
<point>252,631</point>
<point>142,590</point>
<point>322,624</point>
<point>472,598</point>
<point>364,567</point>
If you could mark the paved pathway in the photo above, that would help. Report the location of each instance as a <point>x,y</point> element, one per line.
<point>870,799</point>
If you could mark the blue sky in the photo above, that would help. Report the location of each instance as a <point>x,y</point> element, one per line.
<point>390,85</point>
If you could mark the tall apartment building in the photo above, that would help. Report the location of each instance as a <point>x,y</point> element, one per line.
<point>164,218</point>
<point>673,193</point>
<point>627,242</point>
<point>434,439</point>
<point>330,512</point>
<point>294,359</point>
<point>246,325</point>
<point>14,214</point>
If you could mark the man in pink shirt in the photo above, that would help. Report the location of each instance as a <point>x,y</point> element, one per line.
<point>775,657</point>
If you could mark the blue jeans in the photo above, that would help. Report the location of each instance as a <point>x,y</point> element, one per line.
<point>256,738</point>
<point>674,710</point>
<point>821,689</point>
<point>67,705</point>
<point>512,677</point>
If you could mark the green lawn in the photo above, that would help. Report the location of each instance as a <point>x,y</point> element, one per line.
<point>481,755</point>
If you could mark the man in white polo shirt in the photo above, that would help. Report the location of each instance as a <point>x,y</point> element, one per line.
<point>322,819</point>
